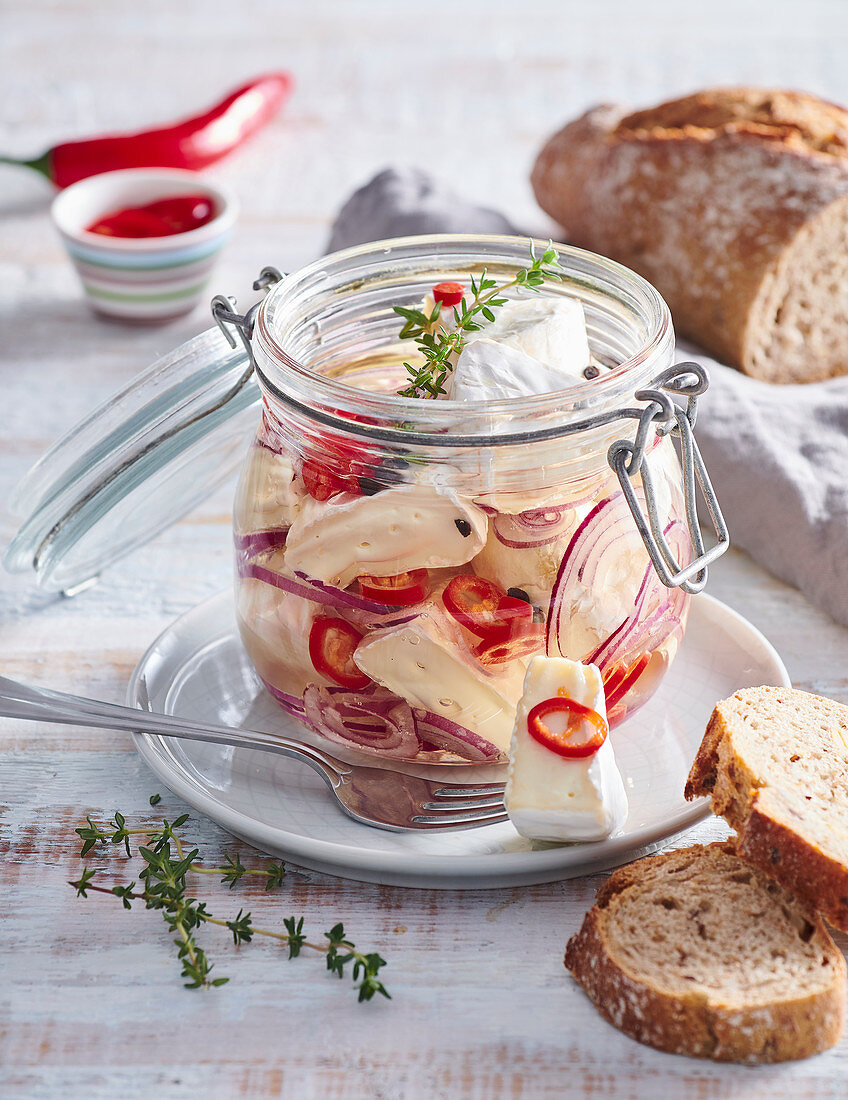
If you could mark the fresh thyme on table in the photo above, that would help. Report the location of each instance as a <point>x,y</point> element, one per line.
<point>441,347</point>
<point>163,879</point>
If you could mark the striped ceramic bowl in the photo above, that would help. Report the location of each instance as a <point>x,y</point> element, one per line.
<point>147,278</point>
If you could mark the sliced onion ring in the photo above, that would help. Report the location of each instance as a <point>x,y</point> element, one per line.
<point>340,598</point>
<point>534,528</point>
<point>658,613</point>
<point>308,589</point>
<point>454,738</point>
<point>374,721</point>
<point>287,584</point>
<point>258,542</point>
<point>378,721</point>
<point>290,702</point>
<point>598,532</point>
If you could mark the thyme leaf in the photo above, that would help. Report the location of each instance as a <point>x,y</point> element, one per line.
<point>162,884</point>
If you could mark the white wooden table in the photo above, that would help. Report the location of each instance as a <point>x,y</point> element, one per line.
<point>90,1002</point>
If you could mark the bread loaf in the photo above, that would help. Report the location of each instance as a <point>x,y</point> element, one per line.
<point>775,763</point>
<point>696,952</point>
<point>734,204</point>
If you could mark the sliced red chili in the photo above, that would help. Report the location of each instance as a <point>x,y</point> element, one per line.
<point>473,602</point>
<point>510,608</point>
<point>567,727</point>
<point>449,294</point>
<point>334,465</point>
<point>511,640</point>
<point>331,645</point>
<point>402,590</point>
<point>321,483</point>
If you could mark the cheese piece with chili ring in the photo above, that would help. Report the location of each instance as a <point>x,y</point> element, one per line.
<point>394,531</point>
<point>552,793</point>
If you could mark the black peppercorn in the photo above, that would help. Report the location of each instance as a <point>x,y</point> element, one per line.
<point>518,594</point>
<point>463,526</point>
<point>368,486</point>
<point>591,372</point>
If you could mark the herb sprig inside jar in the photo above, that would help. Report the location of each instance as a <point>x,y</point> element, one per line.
<point>443,337</point>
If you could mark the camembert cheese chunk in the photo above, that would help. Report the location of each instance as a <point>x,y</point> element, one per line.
<point>553,797</point>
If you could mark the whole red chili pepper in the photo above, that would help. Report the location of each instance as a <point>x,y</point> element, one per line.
<point>193,143</point>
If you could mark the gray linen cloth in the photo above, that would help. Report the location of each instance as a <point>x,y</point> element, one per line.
<point>777,455</point>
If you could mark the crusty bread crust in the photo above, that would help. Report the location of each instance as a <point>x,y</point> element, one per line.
<point>718,200</point>
<point>769,816</point>
<point>698,1024</point>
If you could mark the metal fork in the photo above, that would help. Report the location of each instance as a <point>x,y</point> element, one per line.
<point>380,797</point>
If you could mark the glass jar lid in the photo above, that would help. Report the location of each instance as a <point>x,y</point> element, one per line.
<point>137,464</point>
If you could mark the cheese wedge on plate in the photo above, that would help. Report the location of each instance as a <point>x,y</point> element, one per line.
<point>563,782</point>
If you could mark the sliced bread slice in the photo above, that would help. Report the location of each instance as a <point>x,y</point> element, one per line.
<point>696,952</point>
<point>775,763</point>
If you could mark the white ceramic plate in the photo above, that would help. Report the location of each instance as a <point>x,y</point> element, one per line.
<point>198,669</point>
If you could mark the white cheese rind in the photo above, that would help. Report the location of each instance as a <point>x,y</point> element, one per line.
<point>490,371</point>
<point>421,662</point>
<point>534,345</point>
<point>391,532</point>
<point>266,497</point>
<point>551,797</point>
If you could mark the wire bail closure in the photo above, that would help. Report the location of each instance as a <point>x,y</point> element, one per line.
<point>227,318</point>
<point>628,459</point>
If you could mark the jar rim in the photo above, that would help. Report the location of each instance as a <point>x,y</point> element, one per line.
<point>297,385</point>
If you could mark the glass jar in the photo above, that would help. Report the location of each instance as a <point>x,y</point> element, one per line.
<point>399,560</point>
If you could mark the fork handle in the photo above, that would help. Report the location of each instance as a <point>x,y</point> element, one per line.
<point>34,704</point>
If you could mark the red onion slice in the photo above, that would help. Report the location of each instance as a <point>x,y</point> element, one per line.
<point>454,738</point>
<point>258,542</point>
<point>378,721</point>
<point>594,538</point>
<point>287,584</point>
<point>339,598</point>
<point>290,702</point>
<point>366,621</point>
<point>388,729</point>
<point>599,654</point>
<point>302,586</point>
<point>657,614</point>
<point>533,528</point>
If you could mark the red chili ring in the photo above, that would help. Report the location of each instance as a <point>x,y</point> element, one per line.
<point>449,294</point>
<point>560,743</point>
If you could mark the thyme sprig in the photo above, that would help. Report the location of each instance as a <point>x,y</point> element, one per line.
<point>441,346</point>
<point>163,886</point>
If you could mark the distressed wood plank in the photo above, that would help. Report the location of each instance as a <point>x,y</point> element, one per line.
<point>90,1003</point>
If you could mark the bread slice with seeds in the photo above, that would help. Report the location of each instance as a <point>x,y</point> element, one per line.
<point>775,763</point>
<point>696,952</point>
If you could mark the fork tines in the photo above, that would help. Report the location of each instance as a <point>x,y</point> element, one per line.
<point>470,792</point>
<point>458,806</point>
